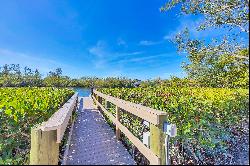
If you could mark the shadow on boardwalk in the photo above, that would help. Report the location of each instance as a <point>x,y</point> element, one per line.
<point>93,141</point>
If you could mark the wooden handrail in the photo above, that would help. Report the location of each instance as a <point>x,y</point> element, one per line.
<point>142,148</point>
<point>149,114</point>
<point>156,153</point>
<point>59,120</point>
<point>45,139</point>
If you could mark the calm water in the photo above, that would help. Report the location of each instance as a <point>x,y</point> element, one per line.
<point>83,92</point>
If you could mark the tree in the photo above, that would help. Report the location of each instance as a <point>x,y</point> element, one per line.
<point>217,13</point>
<point>54,78</point>
<point>11,75</point>
<point>37,78</point>
<point>216,63</point>
<point>5,75</point>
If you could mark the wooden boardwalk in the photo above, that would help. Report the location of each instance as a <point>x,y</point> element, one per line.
<point>93,141</point>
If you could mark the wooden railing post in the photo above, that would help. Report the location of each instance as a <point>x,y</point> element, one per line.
<point>99,99</point>
<point>107,104</point>
<point>94,96</point>
<point>118,131</point>
<point>157,141</point>
<point>44,149</point>
<point>91,91</point>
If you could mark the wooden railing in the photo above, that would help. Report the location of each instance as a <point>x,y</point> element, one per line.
<point>45,139</point>
<point>156,153</point>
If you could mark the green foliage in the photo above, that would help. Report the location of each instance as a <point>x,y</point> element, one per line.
<point>222,13</point>
<point>12,76</point>
<point>203,117</point>
<point>217,62</point>
<point>172,82</point>
<point>21,109</point>
<point>109,82</point>
<point>214,66</point>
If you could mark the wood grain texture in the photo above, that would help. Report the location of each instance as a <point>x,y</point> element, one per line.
<point>157,141</point>
<point>44,148</point>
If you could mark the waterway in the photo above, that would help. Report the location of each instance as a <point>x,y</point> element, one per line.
<point>82,92</point>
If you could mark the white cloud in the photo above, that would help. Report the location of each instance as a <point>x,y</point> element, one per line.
<point>127,54</point>
<point>145,59</point>
<point>170,36</point>
<point>149,43</point>
<point>99,49</point>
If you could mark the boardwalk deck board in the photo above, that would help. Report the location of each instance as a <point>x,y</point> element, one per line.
<point>93,141</point>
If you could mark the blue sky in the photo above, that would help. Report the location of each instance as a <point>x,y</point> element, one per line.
<point>101,38</point>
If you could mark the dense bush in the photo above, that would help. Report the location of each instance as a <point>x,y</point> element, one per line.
<point>203,116</point>
<point>21,109</point>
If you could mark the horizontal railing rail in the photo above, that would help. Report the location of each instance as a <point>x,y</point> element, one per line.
<point>156,153</point>
<point>59,120</point>
<point>46,137</point>
<point>149,114</point>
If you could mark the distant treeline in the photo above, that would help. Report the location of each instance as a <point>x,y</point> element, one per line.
<point>15,76</point>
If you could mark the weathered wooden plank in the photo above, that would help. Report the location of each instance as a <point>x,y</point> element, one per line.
<point>44,148</point>
<point>157,138</point>
<point>148,114</point>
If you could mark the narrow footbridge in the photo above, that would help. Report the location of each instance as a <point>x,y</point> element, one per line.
<point>93,141</point>
<point>90,139</point>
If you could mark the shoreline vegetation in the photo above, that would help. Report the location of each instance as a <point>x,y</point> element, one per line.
<point>13,75</point>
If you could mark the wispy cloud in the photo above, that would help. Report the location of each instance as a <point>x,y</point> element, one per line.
<point>144,59</point>
<point>99,49</point>
<point>192,25</point>
<point>44,65</point>
<point>103,55</point>
<point>149,43</point>
<point>121,42</point>
<point>117,54</point>
<point>118,63</point>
